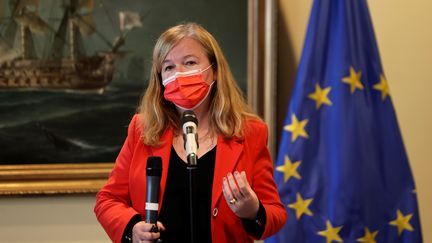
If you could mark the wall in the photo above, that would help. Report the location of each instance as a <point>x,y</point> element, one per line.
<point>404,41</point>
<point>49,219</point>
<point>404,38</point>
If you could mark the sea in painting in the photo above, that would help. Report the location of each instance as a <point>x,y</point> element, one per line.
<point>52,127</point>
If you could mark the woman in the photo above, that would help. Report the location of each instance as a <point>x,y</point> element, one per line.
<point>238,200</point>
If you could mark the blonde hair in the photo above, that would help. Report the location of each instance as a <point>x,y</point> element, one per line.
<point>228,109</point>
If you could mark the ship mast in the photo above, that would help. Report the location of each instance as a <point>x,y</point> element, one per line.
<point>60,38</point>
<point>25,13</point>
<point>27,46</point>
<point>25,16</point>
<point>75,43</point>
<point>8,39</point>
<point>76,22</point>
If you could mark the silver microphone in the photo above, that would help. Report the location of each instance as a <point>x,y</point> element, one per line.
<point>190,136</point>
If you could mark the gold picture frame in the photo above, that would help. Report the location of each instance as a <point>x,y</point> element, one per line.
<point>88,178</point>
<point>53,178</point>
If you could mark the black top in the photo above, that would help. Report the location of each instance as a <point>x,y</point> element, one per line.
<point>174,213</point>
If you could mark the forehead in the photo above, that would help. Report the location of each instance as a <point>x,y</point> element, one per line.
<point>186,47</point>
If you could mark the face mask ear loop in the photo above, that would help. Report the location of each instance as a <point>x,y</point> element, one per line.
<point>205,69</point>
<point>168,80</point>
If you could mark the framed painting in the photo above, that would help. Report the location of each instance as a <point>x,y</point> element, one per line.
<point>72,73</point>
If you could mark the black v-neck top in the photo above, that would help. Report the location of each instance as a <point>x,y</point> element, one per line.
<point>174,213</point>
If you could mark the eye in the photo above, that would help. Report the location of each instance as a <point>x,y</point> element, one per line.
<point>168,68</point>
<point>190,63</point>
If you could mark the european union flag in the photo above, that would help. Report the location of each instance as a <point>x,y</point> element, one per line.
<point>342,170</point>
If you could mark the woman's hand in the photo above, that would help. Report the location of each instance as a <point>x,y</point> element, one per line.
<point>239,195</point>
<point>141,232</point>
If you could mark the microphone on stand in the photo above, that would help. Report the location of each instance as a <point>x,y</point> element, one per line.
<point>153,173</point>
<point>190,136</point>
<point>189,124</point>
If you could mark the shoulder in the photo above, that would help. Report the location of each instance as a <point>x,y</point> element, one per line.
<point>255,131</point>
<point>136,126</point>
<point>253,126</point>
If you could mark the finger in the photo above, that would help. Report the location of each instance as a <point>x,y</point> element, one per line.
<point>143,226</point>
<point>226,190</point>
<point>242,183</point>
<point>150,236</point>
<point>144,231</point>
<point>160,226</point>
<point>243,174</point>
<point>155,236</point>
<point>233,186</point>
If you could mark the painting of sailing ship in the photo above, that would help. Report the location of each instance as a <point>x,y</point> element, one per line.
<point>72,71</point>
<point>21,67</point>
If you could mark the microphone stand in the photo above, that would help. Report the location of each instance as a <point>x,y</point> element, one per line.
<point>192,171</point>
<point>190,137</point>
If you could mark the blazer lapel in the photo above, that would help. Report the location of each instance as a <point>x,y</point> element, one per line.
<point>164,151</point>
<point>227,155</point>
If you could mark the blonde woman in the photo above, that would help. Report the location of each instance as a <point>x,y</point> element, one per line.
<point>238,199</point>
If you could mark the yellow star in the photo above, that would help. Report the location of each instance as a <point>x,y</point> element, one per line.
<point>368,236</point>
<point>353,80</point>
<point>383,87</point>
<point>289,169</point>
<point>402,222</point>
<point>320,96</point>
<point>297,128</point>
<point>301,206</point>
<point>331,234</point>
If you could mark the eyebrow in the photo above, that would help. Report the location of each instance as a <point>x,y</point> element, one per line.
<point>185,57</point>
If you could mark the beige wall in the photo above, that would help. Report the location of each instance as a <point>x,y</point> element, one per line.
<point>59,219</point>
<point>404,38</point>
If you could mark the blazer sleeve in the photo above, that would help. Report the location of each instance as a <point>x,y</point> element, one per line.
<point>113,206</point>
<point>263,182</point>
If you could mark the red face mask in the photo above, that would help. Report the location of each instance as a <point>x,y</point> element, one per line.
<point>187,90</point>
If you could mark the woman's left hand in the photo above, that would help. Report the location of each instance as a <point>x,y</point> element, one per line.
<point>239,195</point>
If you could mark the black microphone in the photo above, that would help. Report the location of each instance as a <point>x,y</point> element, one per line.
<point>190,137</point>
<point>154,173</point>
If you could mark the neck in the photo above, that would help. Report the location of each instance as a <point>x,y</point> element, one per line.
<point>203,115</point>
<point>207,138</point>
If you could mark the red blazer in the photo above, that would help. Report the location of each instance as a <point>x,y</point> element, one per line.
<point>123,196</point>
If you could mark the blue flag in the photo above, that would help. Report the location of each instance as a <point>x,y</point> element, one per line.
<point>342,170</point>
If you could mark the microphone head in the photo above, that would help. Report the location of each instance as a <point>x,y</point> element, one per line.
<point>154,166</point>
<point>189,116</point>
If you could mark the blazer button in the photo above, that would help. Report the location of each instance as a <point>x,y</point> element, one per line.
<point>215,212</point>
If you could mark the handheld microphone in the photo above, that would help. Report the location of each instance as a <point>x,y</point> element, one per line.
<point>153,173</point>
<point>190,137</point>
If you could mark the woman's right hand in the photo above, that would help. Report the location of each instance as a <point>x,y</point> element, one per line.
<point>141,232</point>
